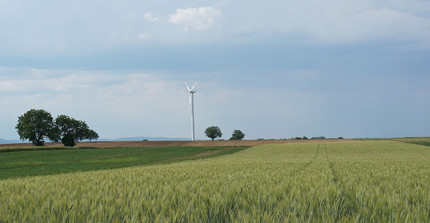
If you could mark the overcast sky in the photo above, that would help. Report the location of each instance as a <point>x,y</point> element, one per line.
<point>273,69</point>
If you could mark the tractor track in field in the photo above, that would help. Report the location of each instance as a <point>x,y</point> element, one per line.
<point>304,166</point>
<point>343,201</point>
<point>335,175</point>
<point>313,159</point>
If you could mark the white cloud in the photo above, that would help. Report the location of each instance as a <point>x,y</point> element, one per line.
<point>144,36</point>
<point>195,18</point>
<point>150,17</point>
<point>46,28</point>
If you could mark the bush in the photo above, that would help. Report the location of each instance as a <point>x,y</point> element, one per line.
<point>68,140</point>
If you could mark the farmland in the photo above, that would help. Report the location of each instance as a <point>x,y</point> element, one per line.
<point>356,181</point>
<point>35,161</point>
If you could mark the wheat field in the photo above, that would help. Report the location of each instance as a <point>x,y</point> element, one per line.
<point>357,181</point>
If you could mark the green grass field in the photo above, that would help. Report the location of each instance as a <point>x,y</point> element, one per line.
<point>414,140</point>
<point>358,181</point>
<point>35,161</point>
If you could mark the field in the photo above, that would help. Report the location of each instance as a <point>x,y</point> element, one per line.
<point>356,181</point>
<point>36,161</point>
<point>122,144</point>
<point>415,140</point>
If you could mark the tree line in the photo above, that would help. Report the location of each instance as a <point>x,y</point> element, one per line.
<point>38,125</point>
<point>214,132</point>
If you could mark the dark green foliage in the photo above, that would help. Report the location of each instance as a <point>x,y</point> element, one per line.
<point>70,130</point>
<point>213,132</point>
<point>35,126</point>
<point>237,135</point>
<point>92,135</point>
<point>68,140</point>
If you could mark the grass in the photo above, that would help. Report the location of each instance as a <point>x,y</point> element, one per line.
<point>34,161</point>
<point>33,148</point>
<point>414,140</point>
<point>358,181</point>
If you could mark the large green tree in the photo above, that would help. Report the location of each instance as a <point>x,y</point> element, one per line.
<point>70,130</point>
<point>92,135</point>
<point>35,125</point>
<point>237,135</point>
<point>213,132</point>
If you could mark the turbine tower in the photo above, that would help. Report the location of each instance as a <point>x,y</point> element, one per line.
<point>191,106</point>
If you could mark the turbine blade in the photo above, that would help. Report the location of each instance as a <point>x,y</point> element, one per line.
<point>194,86</point>
<point>187,86</point>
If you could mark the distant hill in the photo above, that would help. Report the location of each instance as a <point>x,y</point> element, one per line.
<point>6,141</point>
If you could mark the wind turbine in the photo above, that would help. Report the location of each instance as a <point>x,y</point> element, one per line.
<point>191,106</point>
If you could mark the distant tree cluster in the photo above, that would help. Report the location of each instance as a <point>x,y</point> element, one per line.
<point>214,132</point>
<point>304,137</point>
<point>299,138</point>
<point>237,135</point>
<point>37,125</point>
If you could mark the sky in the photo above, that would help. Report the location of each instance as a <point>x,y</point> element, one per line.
<point>278,69</point>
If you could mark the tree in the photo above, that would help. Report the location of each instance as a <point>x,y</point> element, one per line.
<point>213,132</point>
<point>35,125</point>
<point>70,130</point>
<point>237,135</point>
<point>92,135</point>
